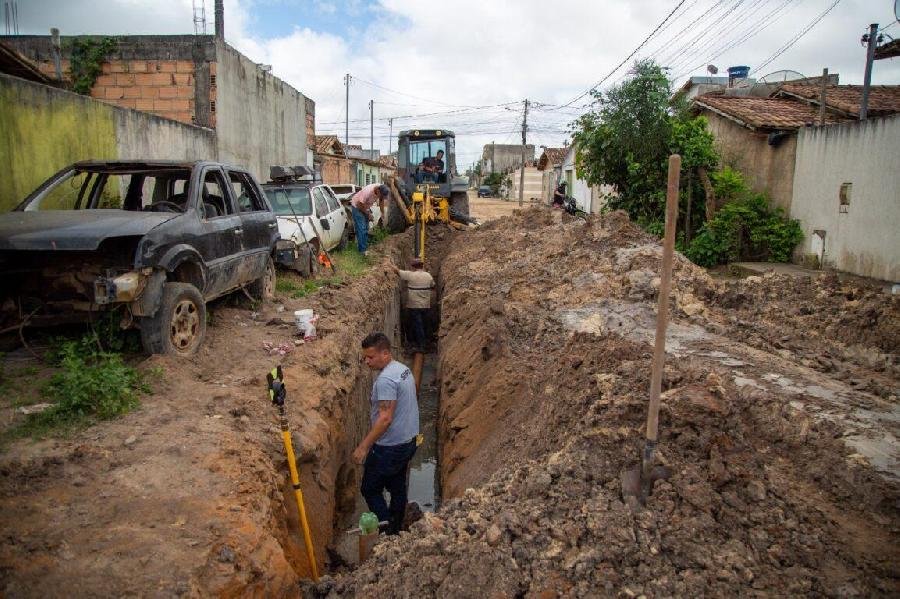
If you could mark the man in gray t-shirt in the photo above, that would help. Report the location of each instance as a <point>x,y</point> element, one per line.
<point>391,441</point>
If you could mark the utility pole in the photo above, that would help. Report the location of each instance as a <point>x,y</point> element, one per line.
<point>821,97</point>
<point>372,129</point>
<point>872,40</point>
<point>390,136</point>
<point>522,172</point>
<point>347,109</point>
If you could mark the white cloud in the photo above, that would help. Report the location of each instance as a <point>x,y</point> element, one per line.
<point>478,52</point>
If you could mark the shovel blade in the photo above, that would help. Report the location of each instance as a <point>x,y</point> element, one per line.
<point>634,486</point>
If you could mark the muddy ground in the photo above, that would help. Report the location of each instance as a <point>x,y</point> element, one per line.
<point>779,422</point>
<point>189,495</point>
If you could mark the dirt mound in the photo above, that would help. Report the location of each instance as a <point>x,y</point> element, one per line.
<point>784,473</point>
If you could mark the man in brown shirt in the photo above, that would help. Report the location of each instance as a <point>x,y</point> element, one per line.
<point>419,285</point>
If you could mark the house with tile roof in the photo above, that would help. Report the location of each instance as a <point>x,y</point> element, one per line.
<point>836,174</point>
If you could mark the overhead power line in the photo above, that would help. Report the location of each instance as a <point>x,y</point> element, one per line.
<point>626,59</point>
<point>796,38</point>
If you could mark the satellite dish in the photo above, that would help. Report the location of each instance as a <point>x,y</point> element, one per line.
<point>713,69</point>
<point>782,76</point>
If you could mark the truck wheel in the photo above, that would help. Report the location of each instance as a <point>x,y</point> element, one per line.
<point>459,202</point>
<point>263,288</point>
<point>179,325</point>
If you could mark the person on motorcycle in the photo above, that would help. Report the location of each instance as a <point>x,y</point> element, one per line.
<point>559,196</point>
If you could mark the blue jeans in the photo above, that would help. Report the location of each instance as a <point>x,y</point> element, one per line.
<point>417,326</point>
<point>385,469</point>
<point>361,225</point>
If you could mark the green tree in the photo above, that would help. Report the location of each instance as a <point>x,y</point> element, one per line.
<point>626,140</point>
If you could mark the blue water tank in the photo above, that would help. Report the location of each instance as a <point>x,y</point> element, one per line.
<point>739,72</point>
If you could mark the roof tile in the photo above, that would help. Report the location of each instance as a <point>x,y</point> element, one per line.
<point>883,99</point>
<point>764,113</point>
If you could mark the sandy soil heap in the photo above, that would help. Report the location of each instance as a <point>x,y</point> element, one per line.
<point>779,420</point>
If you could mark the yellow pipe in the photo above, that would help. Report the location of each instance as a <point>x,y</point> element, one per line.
<point>295,481</point>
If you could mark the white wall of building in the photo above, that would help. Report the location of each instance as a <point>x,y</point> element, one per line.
<point>864,236</point>
<point>260,119</point>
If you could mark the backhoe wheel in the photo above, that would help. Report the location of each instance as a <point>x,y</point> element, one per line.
<point>179,325</point>
<point>263,288</point>
<point>459,202</point>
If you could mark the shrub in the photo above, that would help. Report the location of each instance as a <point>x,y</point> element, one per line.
<point>89,385</point>
<point>746,228</point>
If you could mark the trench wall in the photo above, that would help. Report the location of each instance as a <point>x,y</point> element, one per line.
<point>42,129</point>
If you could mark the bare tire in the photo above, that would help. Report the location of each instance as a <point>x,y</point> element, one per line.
<point>179,325</point>
<point>307,263</point>
<point>345,238</point>
<point>263,288</point>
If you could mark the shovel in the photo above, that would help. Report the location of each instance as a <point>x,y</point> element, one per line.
<point>638,482</point>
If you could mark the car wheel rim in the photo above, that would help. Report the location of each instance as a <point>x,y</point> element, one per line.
<point>185,325</point>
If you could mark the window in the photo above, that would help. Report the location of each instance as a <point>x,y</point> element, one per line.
<point>333,202</point>
<point>118,191</point>
<point>342,188</point>
<point>367,179</point>
<point>214,196</point>
<point>245,192</point>
<point>844,197</point>
<point>420,150</point>
<point>290,201</point>
<point>321,204</point>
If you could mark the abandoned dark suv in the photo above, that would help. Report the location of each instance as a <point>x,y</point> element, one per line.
<point>152,240</point>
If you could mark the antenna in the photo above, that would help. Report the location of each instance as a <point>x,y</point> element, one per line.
<point>11,14</point>
<point>199,17</point>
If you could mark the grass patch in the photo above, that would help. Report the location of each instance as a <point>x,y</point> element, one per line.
<point>89,385</point>
<point>348,263</point>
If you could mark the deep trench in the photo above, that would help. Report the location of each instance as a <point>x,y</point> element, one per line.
<point>424,471</point>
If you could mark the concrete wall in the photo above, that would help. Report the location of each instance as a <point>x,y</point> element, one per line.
<point>768,169</point>
<point>260,119</point>
<point>504,157</point>
<point>865,239</point>
<point>533,184</point>
<point>43,129</point>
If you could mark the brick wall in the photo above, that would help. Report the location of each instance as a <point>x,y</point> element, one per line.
<point>335,170</point>
<point>162,87</point>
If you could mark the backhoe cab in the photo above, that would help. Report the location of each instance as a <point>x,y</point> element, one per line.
<point>427,157</point>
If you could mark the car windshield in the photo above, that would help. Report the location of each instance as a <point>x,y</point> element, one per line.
<point>136,190</point>
<point>341,189</point>
<point>290,200</point>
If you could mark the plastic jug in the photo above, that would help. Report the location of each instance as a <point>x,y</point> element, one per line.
<point>305,320</point>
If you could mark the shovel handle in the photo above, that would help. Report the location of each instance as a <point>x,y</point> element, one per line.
<point>662,310</point>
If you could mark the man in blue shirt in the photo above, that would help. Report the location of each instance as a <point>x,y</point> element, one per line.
<point>391,441</point>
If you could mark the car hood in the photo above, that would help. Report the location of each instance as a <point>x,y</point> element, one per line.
<point>287,227</point>
<point>73,229</point>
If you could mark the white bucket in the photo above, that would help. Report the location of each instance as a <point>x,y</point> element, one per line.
<point>305,320</point>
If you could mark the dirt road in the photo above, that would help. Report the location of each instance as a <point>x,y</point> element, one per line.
<point>488,209</point>
<point>779,422</point>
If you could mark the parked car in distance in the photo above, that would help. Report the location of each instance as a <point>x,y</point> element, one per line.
<point>155,240</point>
<point>485,191</point>
<point>310,217</point>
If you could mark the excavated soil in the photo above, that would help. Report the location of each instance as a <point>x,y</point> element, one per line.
<point>779,422</point>
<point>189,495</point>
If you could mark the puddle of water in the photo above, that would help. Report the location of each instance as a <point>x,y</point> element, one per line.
<point>423,481</point>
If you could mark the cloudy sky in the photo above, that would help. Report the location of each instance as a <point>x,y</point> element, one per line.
<point>468,64</point>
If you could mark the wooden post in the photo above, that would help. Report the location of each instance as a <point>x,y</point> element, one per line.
<point>662,310</point>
